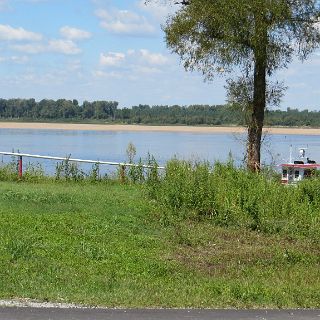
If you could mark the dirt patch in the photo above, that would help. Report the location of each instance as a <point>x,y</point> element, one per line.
<point>226,252</point>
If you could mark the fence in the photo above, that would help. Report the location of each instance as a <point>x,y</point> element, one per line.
<point>122,165</point>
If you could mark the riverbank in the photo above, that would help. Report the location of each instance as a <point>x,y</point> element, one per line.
<point>145,128</point>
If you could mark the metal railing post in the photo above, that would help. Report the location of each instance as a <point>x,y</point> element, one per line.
<point>20,167</point>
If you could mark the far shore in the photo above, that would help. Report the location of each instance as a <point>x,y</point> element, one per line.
<point>148,128</point>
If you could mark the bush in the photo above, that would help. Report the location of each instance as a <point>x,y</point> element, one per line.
<point>9,171</point>
<point>235,197</point>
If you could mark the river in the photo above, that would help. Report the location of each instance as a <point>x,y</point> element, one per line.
<point>112,145</point>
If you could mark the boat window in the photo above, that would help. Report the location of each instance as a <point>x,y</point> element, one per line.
<point>307,173</point>
<point>296,174</point>
<point>284,173</point>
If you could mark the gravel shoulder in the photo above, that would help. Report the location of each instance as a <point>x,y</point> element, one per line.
<point>28,309</point>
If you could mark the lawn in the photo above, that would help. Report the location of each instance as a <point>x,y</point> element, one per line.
<point>106,244</point>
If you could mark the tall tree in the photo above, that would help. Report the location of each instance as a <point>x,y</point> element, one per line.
<point>255,37</point>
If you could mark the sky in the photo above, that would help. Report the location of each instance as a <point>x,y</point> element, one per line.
<point>113,50</point>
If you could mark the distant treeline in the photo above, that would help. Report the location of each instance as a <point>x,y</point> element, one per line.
<point>108,111</point>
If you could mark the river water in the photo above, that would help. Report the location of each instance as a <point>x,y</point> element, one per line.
<point>111,146</point>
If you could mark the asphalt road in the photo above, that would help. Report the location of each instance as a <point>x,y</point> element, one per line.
<point>27,313</point>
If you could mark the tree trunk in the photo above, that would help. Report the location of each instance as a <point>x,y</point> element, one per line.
<point>257,118</point>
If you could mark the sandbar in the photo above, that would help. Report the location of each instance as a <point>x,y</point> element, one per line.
<point>148,128</point>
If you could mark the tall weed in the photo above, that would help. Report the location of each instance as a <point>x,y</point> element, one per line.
<point>232,196</point>
<point>94,174</point>
<point>9,171</point>
<point>33,172</point>
<point>68,170</point>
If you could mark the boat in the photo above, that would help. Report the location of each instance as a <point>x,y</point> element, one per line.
<point>298,170</point>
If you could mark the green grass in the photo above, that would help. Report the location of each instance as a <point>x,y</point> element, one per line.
<point>235,197</point>
<point>106,244</point>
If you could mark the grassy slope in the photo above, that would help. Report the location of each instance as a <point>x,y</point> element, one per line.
<point>103,244</point>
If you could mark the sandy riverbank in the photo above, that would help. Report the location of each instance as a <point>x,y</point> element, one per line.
<point>142,128</point>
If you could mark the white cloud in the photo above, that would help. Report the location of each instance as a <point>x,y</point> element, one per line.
<point>131,52</point>
<point>146,69</point>
<point>131,65</point>
<point>74,33</point>
<point>63,46</point>
<point>56,77</point>
<point>111,58</point>
<point>153,58</point>
<point>125,22</point>
<point>74,65</point>
<point>135,58</point>
<point>99,74</point>
<point>133,62</point>
<point>15,59</point>
<point>29,48</point>
<point>144,56</point>
<point>19,59</point>
<point>103,14</point>
<point>17,34</point>
<point>103,74</point>
<point>159,11</point>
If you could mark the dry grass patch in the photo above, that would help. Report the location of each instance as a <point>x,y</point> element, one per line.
<point>220,251</point>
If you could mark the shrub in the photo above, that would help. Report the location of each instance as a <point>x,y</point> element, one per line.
<point>235,197</point>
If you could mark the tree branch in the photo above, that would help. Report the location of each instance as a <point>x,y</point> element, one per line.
<point>183,2</point>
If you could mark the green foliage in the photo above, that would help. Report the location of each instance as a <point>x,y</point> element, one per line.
<point>231,114</point>
<point>59,109</point>
<point>234,197</point>
<point>131,152</point>
<point>138,172</point>
<point>255,37</point>
<point>32,172</point>
<point>102,244</point>
<point>94,174</point>
<point>66,170</point>
<point>135,172</point>
<point>70,171</point>
<point>9,171</point>
<point>214,35</point>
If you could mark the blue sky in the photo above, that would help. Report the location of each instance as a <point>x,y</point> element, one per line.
<point>112,50</point>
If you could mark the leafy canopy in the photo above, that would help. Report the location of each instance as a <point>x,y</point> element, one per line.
<point>257,36</point>
<point>215,35</point>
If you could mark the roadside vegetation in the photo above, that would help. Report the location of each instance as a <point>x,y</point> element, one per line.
<point>195,236</point>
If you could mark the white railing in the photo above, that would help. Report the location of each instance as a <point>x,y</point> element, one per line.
<point>35,156</point>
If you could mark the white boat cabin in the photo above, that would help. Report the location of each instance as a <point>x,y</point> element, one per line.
<point>298,170</point>
<point>293,173</point>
